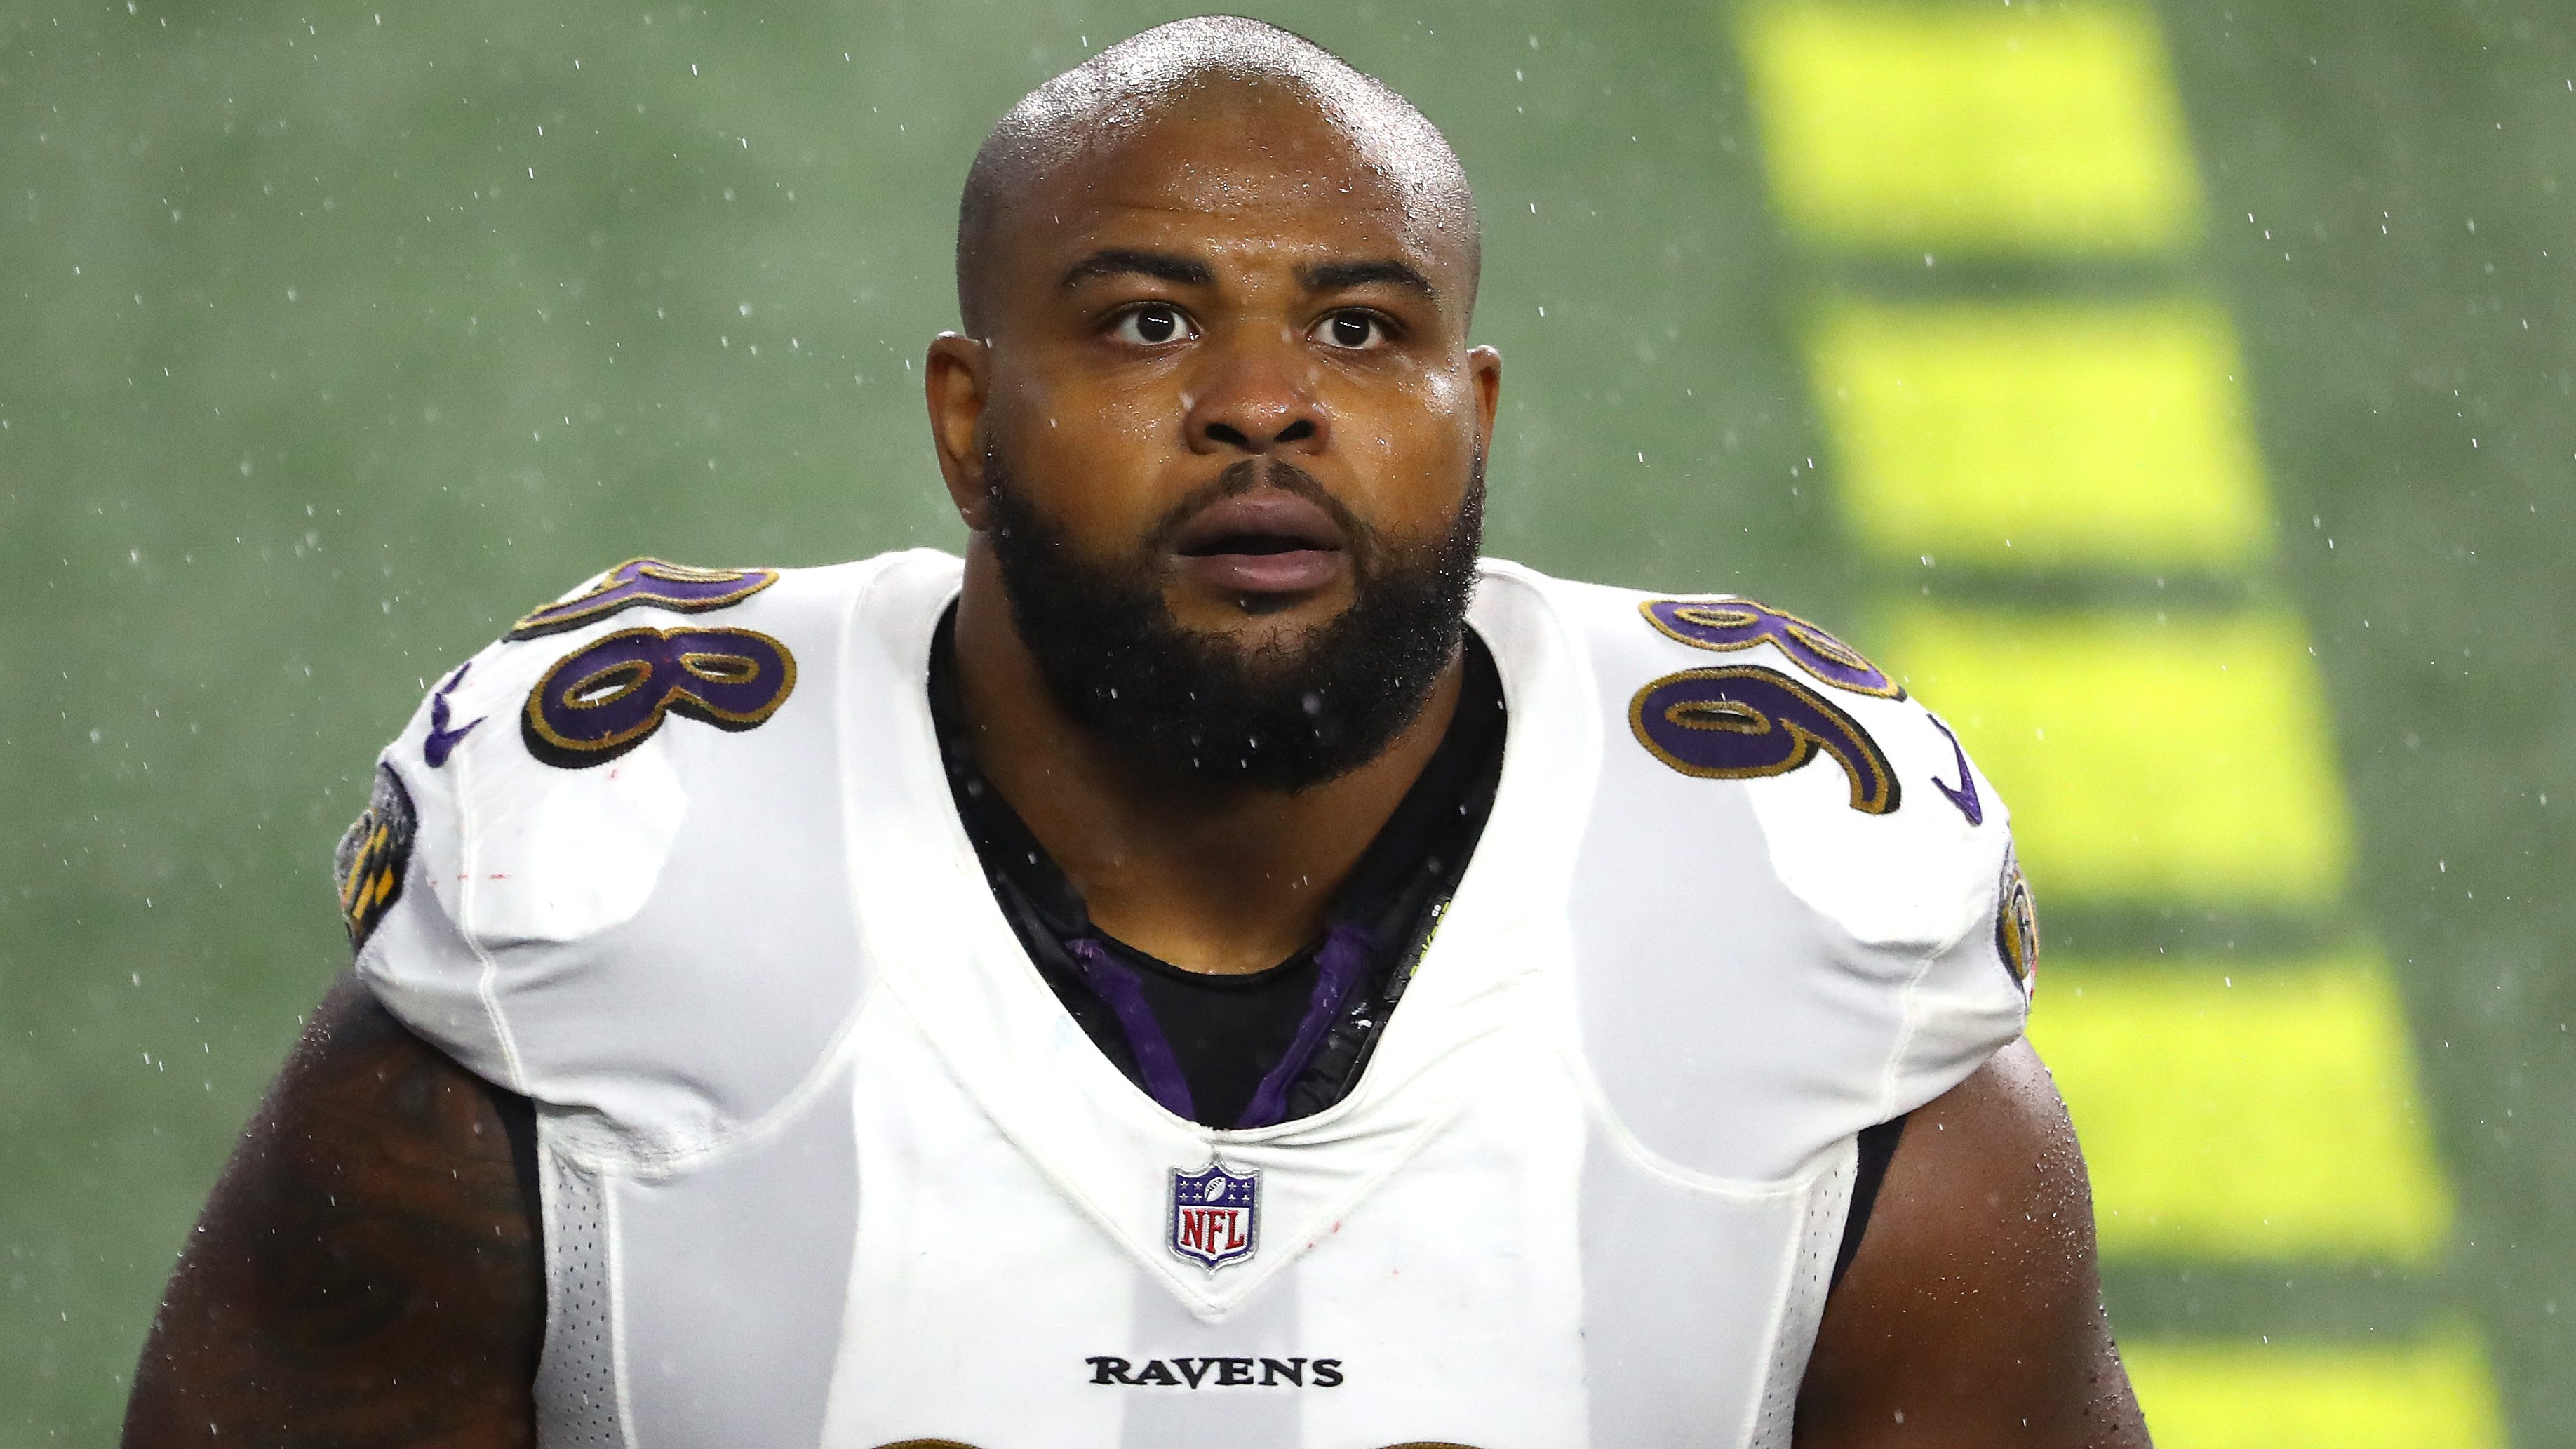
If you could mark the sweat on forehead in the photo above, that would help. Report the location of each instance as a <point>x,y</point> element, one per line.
<point>1195,66</point>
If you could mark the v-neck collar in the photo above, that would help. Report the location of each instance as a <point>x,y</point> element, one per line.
<point>938,941</point>
<point>1377,921</point>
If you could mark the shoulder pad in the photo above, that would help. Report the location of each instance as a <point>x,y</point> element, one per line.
<point>1873,813</point>
<point>1788,886</point>
<point>599,795</point>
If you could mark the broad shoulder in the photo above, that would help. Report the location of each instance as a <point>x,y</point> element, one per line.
<point>1789,885</point>
<point>567,834</point>
<point>1869,805</point>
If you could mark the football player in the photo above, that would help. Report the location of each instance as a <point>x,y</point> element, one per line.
<point>1219,963</point>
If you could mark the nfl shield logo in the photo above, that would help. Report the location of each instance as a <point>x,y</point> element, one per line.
<point>1216,1214</point>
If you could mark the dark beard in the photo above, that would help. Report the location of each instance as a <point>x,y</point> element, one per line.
<point>1283,716</point>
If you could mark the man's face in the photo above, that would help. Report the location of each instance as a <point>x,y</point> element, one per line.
<point>1228,374</point>
<point>1231,285</point>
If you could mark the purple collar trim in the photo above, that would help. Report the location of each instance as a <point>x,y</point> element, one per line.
<point>1115,983</point>
<point>1338,967</point>
<point>1339,964</point>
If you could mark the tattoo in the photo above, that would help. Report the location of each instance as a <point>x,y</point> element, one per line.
<point>370,1268</point>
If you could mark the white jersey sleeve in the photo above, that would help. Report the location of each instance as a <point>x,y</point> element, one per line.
<point>1788,894</point>
<point>608,810</point>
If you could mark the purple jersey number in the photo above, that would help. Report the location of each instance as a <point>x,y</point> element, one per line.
<point>1744,722</point>
<point>647,582</point>
<point>610,695</point>
<point>1730,624</point>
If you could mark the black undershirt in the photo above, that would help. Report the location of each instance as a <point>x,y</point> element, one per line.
<point>1877,1149</point>
<point>1229,1032</point>
<point>1227,1035</point>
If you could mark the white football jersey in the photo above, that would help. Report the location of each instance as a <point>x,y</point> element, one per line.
<point>825,1161</point>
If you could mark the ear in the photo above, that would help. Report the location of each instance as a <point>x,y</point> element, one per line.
<point>954,381</point>
<point>1485,368</point>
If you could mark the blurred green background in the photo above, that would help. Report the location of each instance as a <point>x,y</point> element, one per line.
<point>332,337</point>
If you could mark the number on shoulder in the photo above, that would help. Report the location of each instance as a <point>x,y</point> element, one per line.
<point>1746,721</point>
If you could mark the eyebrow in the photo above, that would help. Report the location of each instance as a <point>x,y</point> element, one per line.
<point>1122,261</point>
<point>1190,272</point>
<point>1338,276</point>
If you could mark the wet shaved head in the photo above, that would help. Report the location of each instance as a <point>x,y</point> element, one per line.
<point>1220,69</point>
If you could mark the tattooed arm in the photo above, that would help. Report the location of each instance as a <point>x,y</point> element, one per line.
<point>369,1269</point>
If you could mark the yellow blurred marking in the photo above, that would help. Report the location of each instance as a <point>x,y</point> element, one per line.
<point>2438,1394</point>
<point>2143,761</point>
<point>2243,1109</point>
<point>2036,435</point>
<point>1931,127</point>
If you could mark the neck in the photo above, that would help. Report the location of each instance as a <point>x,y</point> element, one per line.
<point>1209,876</point>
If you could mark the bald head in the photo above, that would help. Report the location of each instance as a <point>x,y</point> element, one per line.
<point>1241,80</point>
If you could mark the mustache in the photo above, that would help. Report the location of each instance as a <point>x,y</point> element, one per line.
<point>1252,474</point>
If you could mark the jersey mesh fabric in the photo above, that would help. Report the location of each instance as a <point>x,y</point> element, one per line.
<point>576,1388</point>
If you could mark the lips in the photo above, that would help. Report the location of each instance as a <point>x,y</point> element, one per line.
<point>1269,541</point>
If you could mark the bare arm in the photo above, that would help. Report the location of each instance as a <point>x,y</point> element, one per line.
<point>1972,1314</point>
<point>369,1269</point>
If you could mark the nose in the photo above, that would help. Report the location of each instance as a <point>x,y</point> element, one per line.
<point>1255,399</point>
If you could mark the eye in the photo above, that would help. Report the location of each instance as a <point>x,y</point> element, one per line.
<point>1152,324</point>
<point>1353,330</point>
